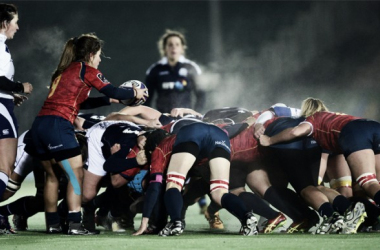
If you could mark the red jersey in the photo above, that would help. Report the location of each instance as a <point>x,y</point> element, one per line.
<point>161,155</point>
<point>326,127</point>
<point>70,89</point>
<point>132,171</point>
<point>244,146</point>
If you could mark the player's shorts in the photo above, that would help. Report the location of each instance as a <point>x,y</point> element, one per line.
<point>95,161</point>
<point>24,162</point>
<point>54,137</point>
<point>300,166</point>
<point>238,174</point>
<point>206,136</point>
<point>358,135</point>
<point>8,121</point>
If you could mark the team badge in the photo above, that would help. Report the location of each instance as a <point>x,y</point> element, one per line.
<point>102,78</point>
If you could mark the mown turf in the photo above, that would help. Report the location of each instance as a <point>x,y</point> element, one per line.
<point>196,236</point>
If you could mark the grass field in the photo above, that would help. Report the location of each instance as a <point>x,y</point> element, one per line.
<point>196,236</point>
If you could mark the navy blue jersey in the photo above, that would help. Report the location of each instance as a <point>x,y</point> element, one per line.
<point>123,134</point>
<point>283,123</point>
<point>173,85</point>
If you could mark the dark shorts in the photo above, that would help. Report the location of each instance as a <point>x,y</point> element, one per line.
<point>238,174</point>
<point>300,166</point>
<point>358,135</point>
<point>53,137</point>
<point>8,121</point>
<point>207,137</point>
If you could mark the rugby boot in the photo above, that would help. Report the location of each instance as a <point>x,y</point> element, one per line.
<point>353,218</point>
<point>103,221</point>
<point>20,222</point>
<point>172,229</point>
<point>331,225</point>
<point>249,225</point>
<point>303,226</point>
<point>5,227</point>
<point>273,224</point>
<point>77,228</point>
<point>54,229</point>
<point>117,225</point>
<point>214,220</point>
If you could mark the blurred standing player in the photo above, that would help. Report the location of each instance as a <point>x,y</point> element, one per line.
<point>53,131</point>
<point>174,77</point>
<point>8,122</point>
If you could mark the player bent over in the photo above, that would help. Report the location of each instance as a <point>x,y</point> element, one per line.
<point>178,153</point>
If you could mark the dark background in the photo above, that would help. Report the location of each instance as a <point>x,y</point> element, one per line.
<point>253,53</point>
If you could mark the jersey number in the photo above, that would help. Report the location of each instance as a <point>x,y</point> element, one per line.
<point>54,86</point>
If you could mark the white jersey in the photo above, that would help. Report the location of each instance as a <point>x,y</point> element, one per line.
<point>7,68</point>
<point>94,136</point>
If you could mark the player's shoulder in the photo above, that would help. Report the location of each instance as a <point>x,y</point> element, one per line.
<point>156,66</point>
<point>190,64</point>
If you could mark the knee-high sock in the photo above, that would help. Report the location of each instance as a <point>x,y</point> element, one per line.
<point>326,209</point>
<point>173,203</point>
<point>287,202</point>
<point>376,198</point>
<point>341,204</point>
<point>213,207</point>
<point>234,205</point>
<point>27,206</point>
<point>258,205</point>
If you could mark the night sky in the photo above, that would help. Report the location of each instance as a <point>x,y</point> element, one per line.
<point>253,53</point>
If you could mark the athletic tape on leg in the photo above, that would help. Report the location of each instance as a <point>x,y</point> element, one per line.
<point>72,177</point>
<point>366,178</point>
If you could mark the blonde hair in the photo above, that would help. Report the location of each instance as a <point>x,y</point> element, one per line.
<point>164,39</point>
<point>312,105</point>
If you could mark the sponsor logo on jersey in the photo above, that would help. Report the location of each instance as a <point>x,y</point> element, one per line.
<point>183,72</point>
<point>54,147</point>
<point>102,78</point>
<point>129,131</point>
<point>5,131</point>
<point>162,73</point>
<point>178,85</point>
<point>222,143</point>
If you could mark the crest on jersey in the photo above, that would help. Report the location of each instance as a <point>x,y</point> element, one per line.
<point>183,72</point>
<point>102,78</point>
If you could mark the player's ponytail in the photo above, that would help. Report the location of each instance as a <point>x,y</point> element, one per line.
<point>312,105</point>
<point>78,49</point>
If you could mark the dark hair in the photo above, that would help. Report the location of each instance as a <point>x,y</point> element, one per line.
<point>164,39</point>
<point>153,138</point>
<point>78,49</point>
<point>7,13</point>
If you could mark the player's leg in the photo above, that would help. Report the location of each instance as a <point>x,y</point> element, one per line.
<point>179,166</point>
<point>219,186</point>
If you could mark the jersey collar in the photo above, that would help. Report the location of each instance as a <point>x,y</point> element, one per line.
<point>3,38</point>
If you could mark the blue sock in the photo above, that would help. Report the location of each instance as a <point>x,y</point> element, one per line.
<point>326,209</point>
<point>52,218</point>
<point>173,202</point>
<point>234,205</point>
<point>341,204</point>
<point>75,217</point>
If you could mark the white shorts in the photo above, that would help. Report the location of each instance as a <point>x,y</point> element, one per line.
<point>24,162</point>
<point>94,136</point>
